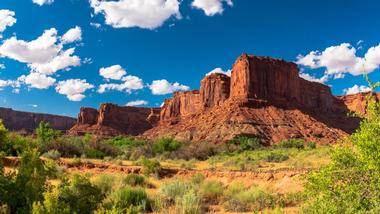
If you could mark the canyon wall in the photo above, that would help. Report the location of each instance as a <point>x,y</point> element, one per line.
<point>27,122</point>
<point>112,120</point>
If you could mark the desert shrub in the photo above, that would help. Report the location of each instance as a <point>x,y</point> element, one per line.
<point>195,150</point>
<point>245,143</point>
<point>52,154</point>
<point>104,182</point>
<point>3,133</point>
<point>276,157</point>
<point>171,191</point>
<point>211,190</point>
<point>189,203</point>
<point>121,141</point>
<point>67,146</point>
<point>79,195</point>
<point>21,189</point>
<point>151,166</point>
<point>166,145</point>
<point>127,197</point>
<point>75,162</point>
<point>292,143</point>
<point>97,149</point>
<point>197,178</point>
<point>311,145</point>
<point>16,144</point>
<point>50,204</point>
<point>134,180</point>
<point>240,199</point>
<point>46,134</point>
<point>350,183</point>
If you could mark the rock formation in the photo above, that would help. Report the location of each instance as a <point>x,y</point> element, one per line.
<point>264,97</point>
<point>27,122</point>
<point>112,120</point>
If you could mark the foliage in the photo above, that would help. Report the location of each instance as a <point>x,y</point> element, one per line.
<point>104,182</point>
<point>151,166</point>
<point>79,195</point>
<point>240,199</point>
<point>292,143</point>
<point>45,134</point>
<point>211,190</point>
<point>276,157</point>
<point>190,203</point>
<point>245,143</point>
<point>52,154</point>
<point>15,144</point>
<point>166,145</point>
<point>3,134</point>
<point>351,182</point>
<point>26,186</point>
<point>134,180</point>
<point>127,197</point>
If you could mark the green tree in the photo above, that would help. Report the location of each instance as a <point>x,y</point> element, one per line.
<point>45,134</point>
<point>3,134</point>
<point>351,182</point>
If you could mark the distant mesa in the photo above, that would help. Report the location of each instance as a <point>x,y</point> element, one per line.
<point>264,98</point>
<point>27,122</point>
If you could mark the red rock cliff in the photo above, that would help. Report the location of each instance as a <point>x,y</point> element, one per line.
<point>26,122</point>
<point>215,89</point>
<point>111,120</point>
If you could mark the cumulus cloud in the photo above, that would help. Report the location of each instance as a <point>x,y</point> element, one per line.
<point>73,88</point>
<point>37,80</point>
<point>342,59</point>
<point>9,83</point>
<point>42,2</point>
<point>7,19</point>
<point>44,54</point>
<point>219,71</point>
<point>115,72</point>
<point>356,89</point>
<point>211,7</point>
<point>130,83</point>
<point>162,87</point>
<point>137,103</point>
<point>147,14</point>
<point>72,35</point>
<point>311,78</point>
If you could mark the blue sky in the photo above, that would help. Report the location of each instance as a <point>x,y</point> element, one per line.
<point>176,41</point>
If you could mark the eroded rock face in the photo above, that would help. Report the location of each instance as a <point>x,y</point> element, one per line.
<point>215,89</point>
<point>112,120</point>
<point>267,99</point>
<point>357,102</point>
<point>26,122</point>
<point>182,104</point>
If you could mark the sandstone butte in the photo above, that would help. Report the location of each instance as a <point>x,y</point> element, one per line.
<point>27,122</point>
<point>264,98</point>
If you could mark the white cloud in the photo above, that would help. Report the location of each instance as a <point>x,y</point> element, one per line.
<point>42,2</point>
<point>7,19</point>
<point>44,54</point>
<point>33,105</point>
<point>342,59</point>
<point>37,80</point>
<point>356,89</point>
<point>311,78</point>
<point>73,88</point>
<point>2,66</point>
<point>95,25</point>
<point>219,71</point>
<point>72,35</point>
<point>131,83</point>
<point>9,83</point>
<point>137,103</point>
<point>211,7</point>
<point>162,87</point>
<point>115,72</point>
<point>148,14</point>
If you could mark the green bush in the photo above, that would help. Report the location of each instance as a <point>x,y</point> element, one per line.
<point>166,145</point>
<point>79,195</point>
<point>292,143</point>
<point>245,143</point>
<point>174,190</point>
<point>211,190</point>
<point>351,182</point>
<point>151,166</point>
<point>45,134</point>
<point>21,189</point>
<point>240,199</point>
<point>15,144</point>
<point>189,203</point>
<point>104,182</point>
<point>197,178</point>
<point>276,157</point>
<point>134,180</point>
<point>127,197</point>
<point>311,145</point>
<point>52,154</point>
